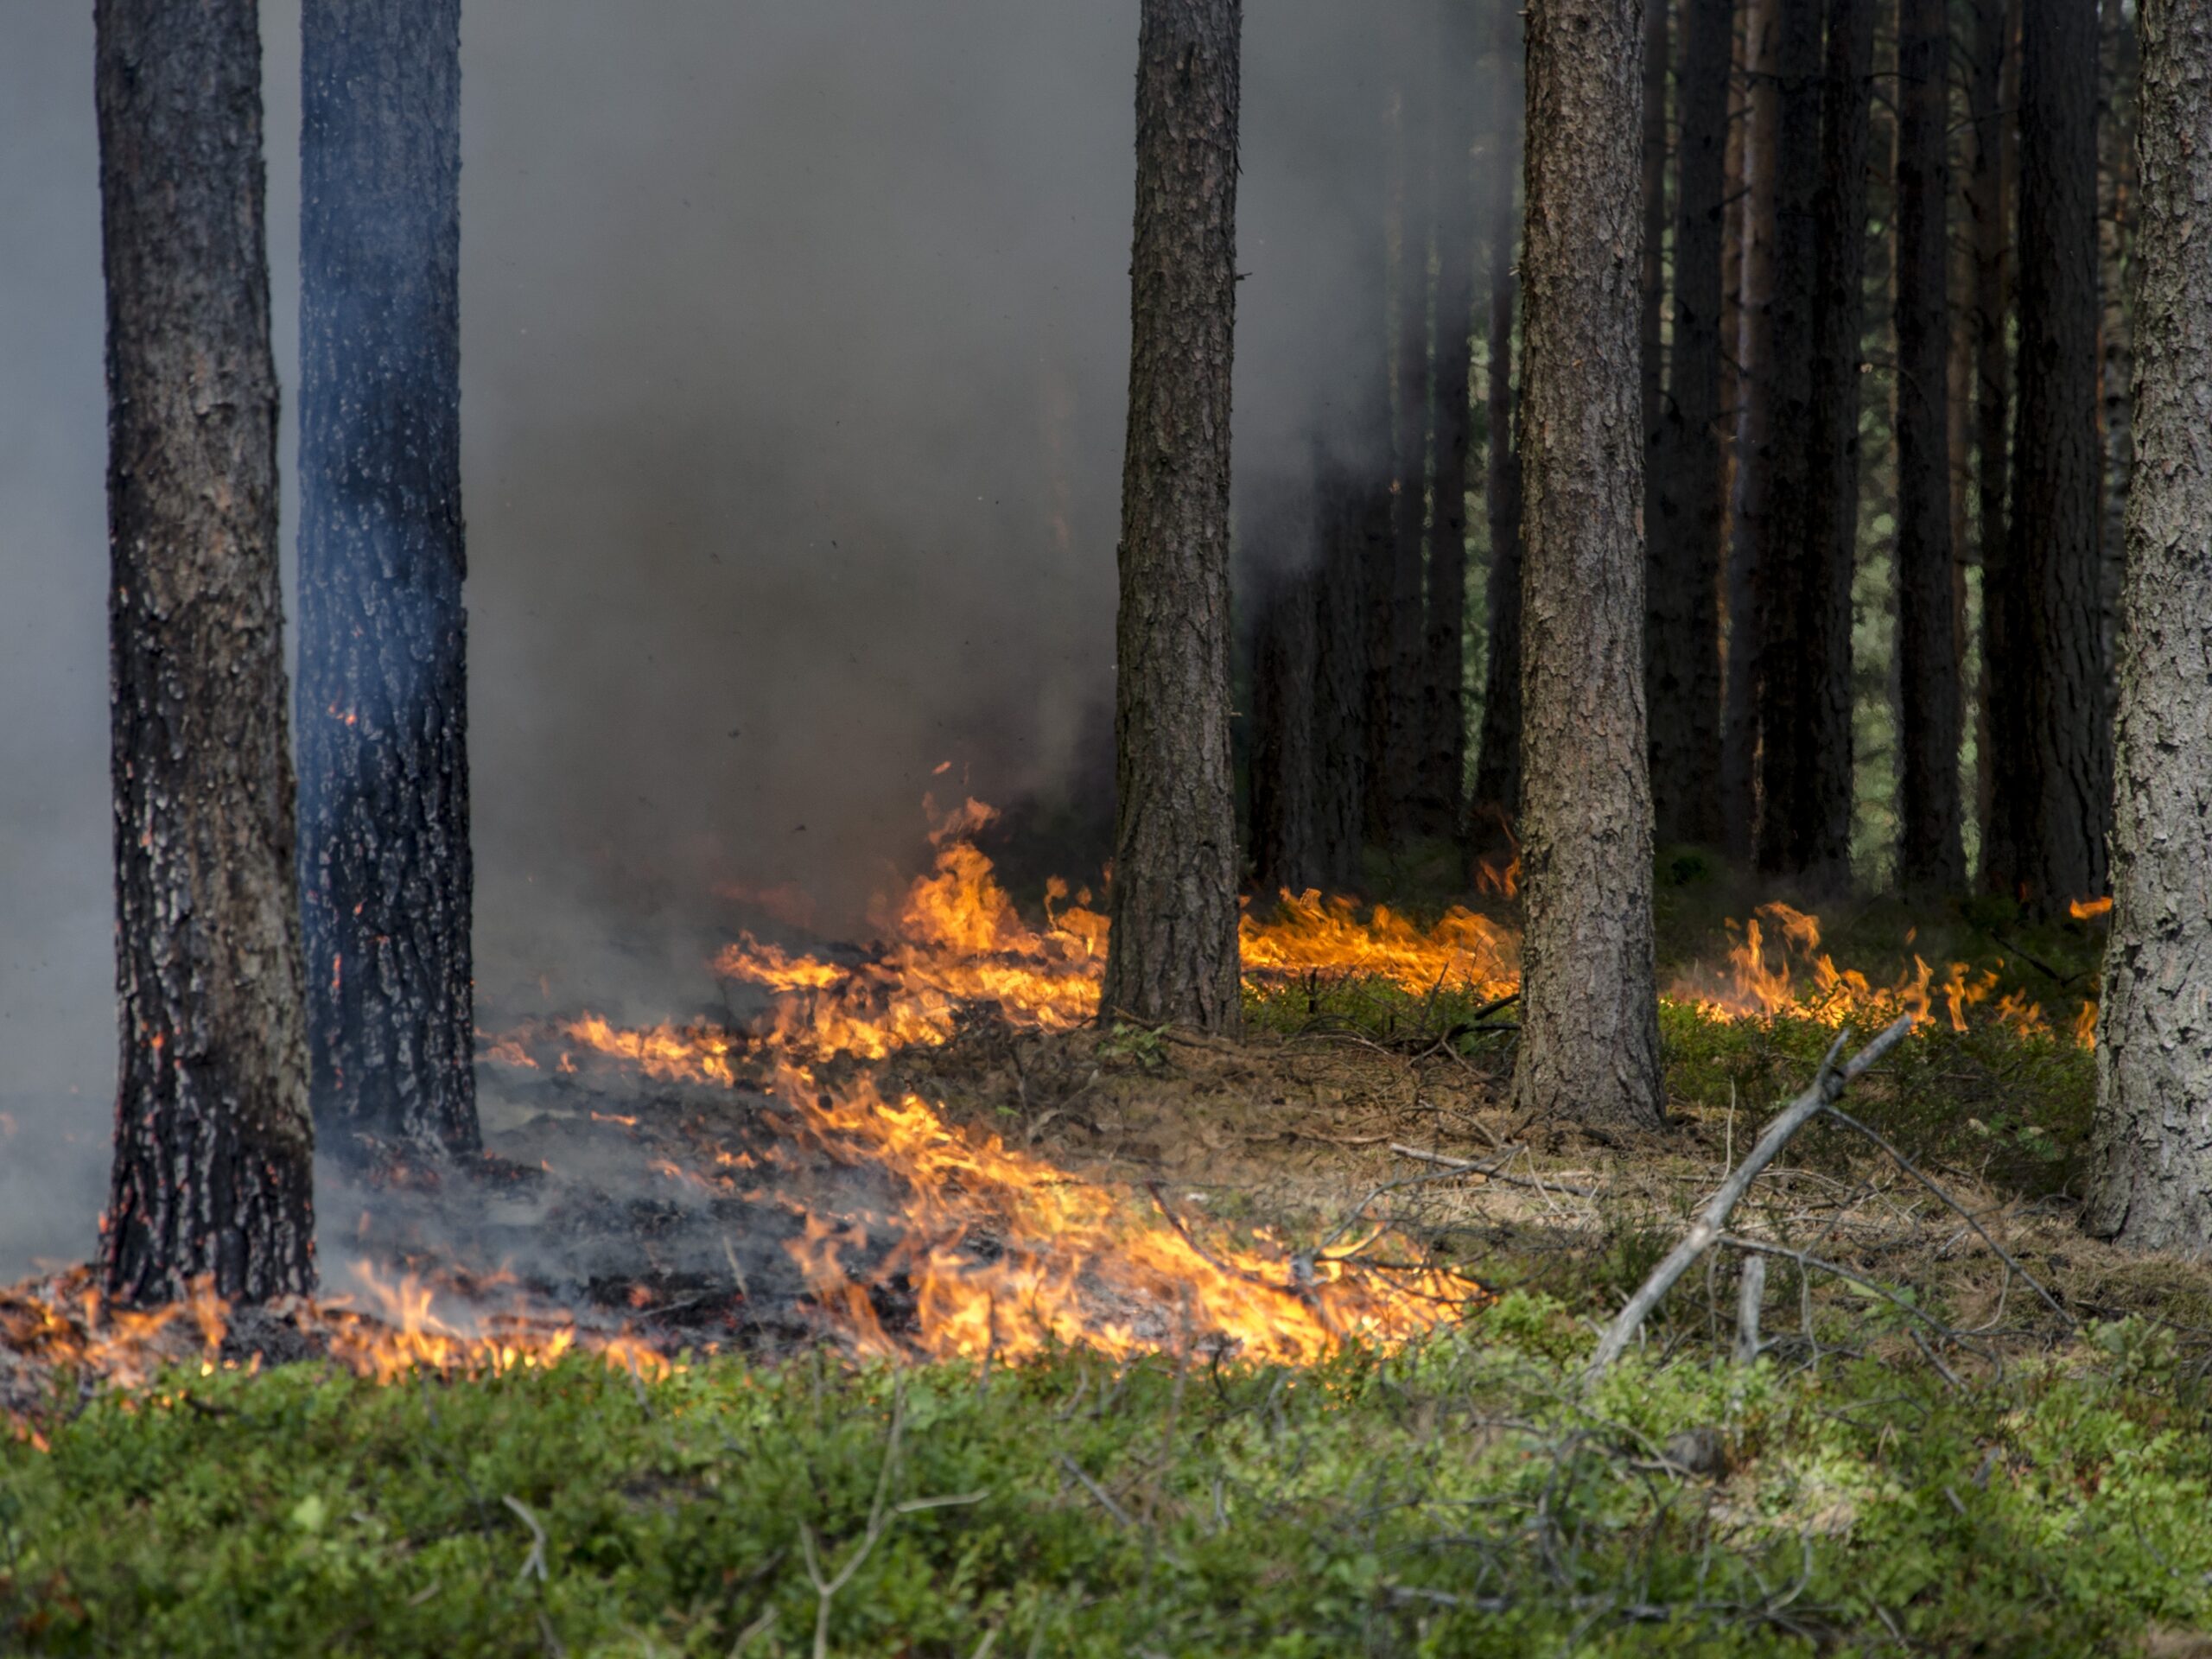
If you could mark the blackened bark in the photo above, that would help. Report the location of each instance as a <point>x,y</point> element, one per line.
<point>1682,641</point>
<point>1281,718</point>
<point>1172,954</point>
<point>1993,91</point>
<point>1398,756</point>
<point>386,882</point>
<point>2152,1146</point>
<point>1339,598</point>
<point>1589,1017</point>
<point>2053,734</point>
<point>1931,853</point>
<point>1805,773</point>
<point>213,1143</point>
<point>1751,488</point>
<point>1444,714</point>
<point>1497,761</point>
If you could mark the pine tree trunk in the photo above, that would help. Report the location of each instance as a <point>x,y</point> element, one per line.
<point>1654,187</point>
<point>2115,369</point>
<point>1683,641</point>
<point>1498,763</point>
<point>213,1145</point>
<point>2152,1149</point>
<point>1405,629</point>
<point>1753,488</point>
<point>1804,671</point>
<point>1284,662</point>
<point>1993,95</point>
<point>1589,1019</point>
<point>2051,727</point>
<point>1444,668</point>
<point>1171,953</point>
<point>385,875</point>
<point>1339,598</point>
<point>1931,853</point>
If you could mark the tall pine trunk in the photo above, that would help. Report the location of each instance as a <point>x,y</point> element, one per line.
<point>1282,716</point>
<point>1682,641</point>
<point>1339,598</point>
<point>1993,91</point>
<point>2151,1148</point>
<point>2051,729</point>
<point>1931,853</point>
<point>214,1172</point>
<point>386,876</point>
<point>1589,1019</point>
<point>1753,488</point>
<point>1171,953</point>
<point>1401,636</point>
<point>1443,713</point>
<point>1653,281</point>
<point>1498,762</point>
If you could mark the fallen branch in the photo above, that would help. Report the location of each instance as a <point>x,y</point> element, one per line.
<point>1829,1084</point>
<point>1490,1173</point>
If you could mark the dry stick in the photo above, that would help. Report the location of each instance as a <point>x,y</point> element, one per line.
<point>1829,1082</point>
<point>1750,1296</point>
<point>1490,1173</point>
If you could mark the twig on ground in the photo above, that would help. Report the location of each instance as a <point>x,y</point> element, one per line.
<point>1105,1498</point>
<point>534,1561</point>
<point>1488,1173</point>
<point>1829,1082</point>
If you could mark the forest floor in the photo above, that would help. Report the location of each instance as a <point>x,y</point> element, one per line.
<point>1971,1430</point>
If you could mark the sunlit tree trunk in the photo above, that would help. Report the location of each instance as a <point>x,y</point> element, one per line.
<point>1172,954</point>
<point>2051,732</point>
<point>2152,1149</point>
<point>1931,853</point>
<point>1589,1020</point>
<point>1682,641</point>
<point>385,874</point>
<point>213,1168</point>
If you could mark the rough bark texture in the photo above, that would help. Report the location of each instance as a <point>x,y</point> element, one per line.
<point>386,877</point>
<point>1991,95</point>
<point>1497,761</point>
<point>214,1144</point>
<point>1171,954</point>
<point>1931,853</point>
<point>1589,1017</point>
<point>1740,717</point>
<point>1681,670</point>
<point>1339,598</point>
<point>2150,1181</point>
<point>2115,213</point>
<point>1653,279</point>
<point>1803,578</point>
<point>2051,733</point>
<point>1444,664</point>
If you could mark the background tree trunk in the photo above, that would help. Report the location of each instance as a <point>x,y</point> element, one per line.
<point>1589,1019</point>
<point>1171,953</point>
<point>1412,201</point>
<point>1804,665</point>
<point>1339,598</point>
<point>1282,718</point>
<point>1748,506</point>
<point>2053,740</point>
<point>2151,1149</point>
<point>214,1144</point>
<point>1444,669</point>
<point>386,876</point>
<point>1931,853</point>
<point>1498,763</point>
<point>1683,642</point>
<point>1992,95</point>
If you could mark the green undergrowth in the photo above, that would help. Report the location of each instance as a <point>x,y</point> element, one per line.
<point>1462,1496</point>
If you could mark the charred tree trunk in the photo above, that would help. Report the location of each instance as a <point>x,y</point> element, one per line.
<point>387,883</point>
<point>1284,660</point>
<point>1753,488</point>
<point>1171,953</point>
<point>1589,1019</point>
<point>2053,749</point>
<point>1992,94</point>
<point>1401,638</point>
<point>2151,1149</point>
<point>1682,641</point>
<point>1804,672</point>
<point>213,1143</point>
<point>1497,761</point>
<point>1339,598</point>
<point>1931,853</point>
<point>1444,668</point>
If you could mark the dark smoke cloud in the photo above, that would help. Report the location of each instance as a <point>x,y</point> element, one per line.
<point>794,347</point>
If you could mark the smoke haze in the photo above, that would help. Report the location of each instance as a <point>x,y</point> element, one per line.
<point>794,354</point>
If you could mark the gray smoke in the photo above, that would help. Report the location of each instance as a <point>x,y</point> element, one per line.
<point>794,351</point>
